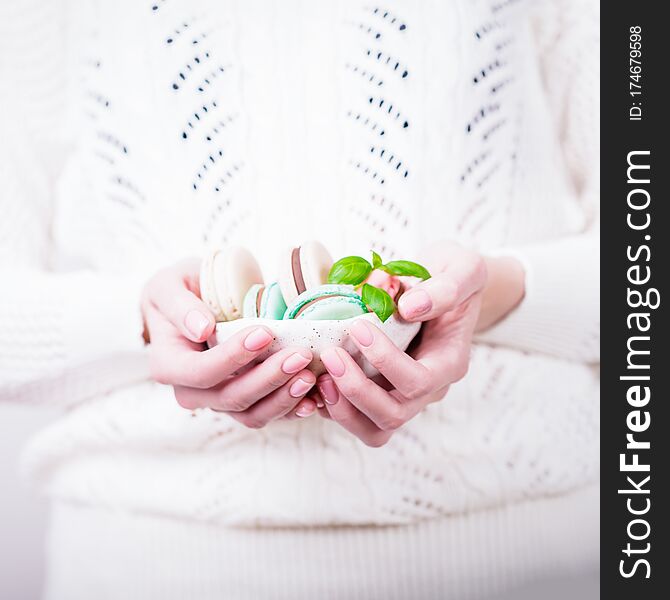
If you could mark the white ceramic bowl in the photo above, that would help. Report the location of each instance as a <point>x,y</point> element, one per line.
<point>318,335</point>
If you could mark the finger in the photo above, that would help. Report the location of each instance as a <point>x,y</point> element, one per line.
<point>175,364</point>
<point>318,399</point>
<point>356,423</point>
<point>169,292</point>
<point>448,354</point>
<point>410,377</point>
<point>305,408</point>
<point>162,331</point>
<point>288,400</point>
<point>323,412</point>
<point>385,411</point>
<point>333,394</point>
<point>282,401</point>
<point>443,292</point>
<point>328,390</point>
<point>242,391</point>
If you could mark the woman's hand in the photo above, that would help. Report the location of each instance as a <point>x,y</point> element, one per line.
<point>178,322</point>
<point>449,303</point>
<point>505,288</point>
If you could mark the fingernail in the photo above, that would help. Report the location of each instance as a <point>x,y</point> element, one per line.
<point>362,333</point>
<point>333,362</point>
<point>328,390</point>
<point>305,410</point>
<point>196,323</point>
<point>300,388</point>
<point>415,303</point>
<point>294,363</point>
<point>257,339</point>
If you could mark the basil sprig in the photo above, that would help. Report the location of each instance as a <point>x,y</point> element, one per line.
<point>350,270</point>
<point>376,260</point>
<point>378,301</point>
<point>354,270</point>
<point>406,268</point>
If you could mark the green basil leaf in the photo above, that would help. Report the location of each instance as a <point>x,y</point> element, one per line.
<point>350,270</point>
<point>406,268</point>
<point>376,260</point>
<point>378,301</point>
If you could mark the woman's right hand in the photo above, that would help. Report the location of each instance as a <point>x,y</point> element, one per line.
<point>177,322</point>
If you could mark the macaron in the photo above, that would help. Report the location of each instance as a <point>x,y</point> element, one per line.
<point>225,277</point>
<point>264,301</point>
<point>327,302</point>
<point>302,268</point>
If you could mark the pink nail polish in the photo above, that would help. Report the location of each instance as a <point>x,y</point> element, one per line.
<point>332,361</point>
<point>196,323</point>
<point>361,331</point>
<point>300,388</point>
<point>415,303</point>
<point>304,411</point>
<point>294,363</point>
<point>328,390</point>
<point>257,339</point>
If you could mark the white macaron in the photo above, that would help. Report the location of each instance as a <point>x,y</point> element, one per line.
<point>225,277</point>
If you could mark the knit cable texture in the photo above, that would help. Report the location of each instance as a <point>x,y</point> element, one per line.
<point>136,133</point>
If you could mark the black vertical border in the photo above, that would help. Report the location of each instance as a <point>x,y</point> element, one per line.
<point>619,137</point>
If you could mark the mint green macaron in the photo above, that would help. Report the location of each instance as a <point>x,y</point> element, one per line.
<point>327,302</point>
<point>265,302</point>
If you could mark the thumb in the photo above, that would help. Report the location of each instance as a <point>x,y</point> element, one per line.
<point>188,313</point>
<point>443,292</point>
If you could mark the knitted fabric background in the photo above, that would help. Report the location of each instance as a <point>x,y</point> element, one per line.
<point>147,131</point>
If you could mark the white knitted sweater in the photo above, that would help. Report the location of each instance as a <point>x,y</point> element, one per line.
<point>137,132</point>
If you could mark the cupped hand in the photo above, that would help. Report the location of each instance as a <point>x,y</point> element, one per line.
<point>178,322</point>
<point>449,304</point>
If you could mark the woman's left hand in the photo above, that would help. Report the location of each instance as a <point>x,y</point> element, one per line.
<point>449,303</point>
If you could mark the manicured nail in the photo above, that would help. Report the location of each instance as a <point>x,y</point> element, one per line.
<point>305,410</point>
<point>300,388</point>
<point>361,331</point>
<point>257,339</point>
<point>328,390</point>
<point>294,363</point>
<point>332,361</point>
<point>415,303</point>
<point>196,323</point>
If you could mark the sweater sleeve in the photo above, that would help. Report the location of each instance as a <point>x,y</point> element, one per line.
<point>560,313</point>
<point>64,336</point>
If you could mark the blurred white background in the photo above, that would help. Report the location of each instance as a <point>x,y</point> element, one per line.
<point>23,513</point>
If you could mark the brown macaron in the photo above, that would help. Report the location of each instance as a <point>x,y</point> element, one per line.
<point>304,267</point>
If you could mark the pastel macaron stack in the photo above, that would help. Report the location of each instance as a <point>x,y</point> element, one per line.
<point>232,285</point>
<point>300,308</point>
